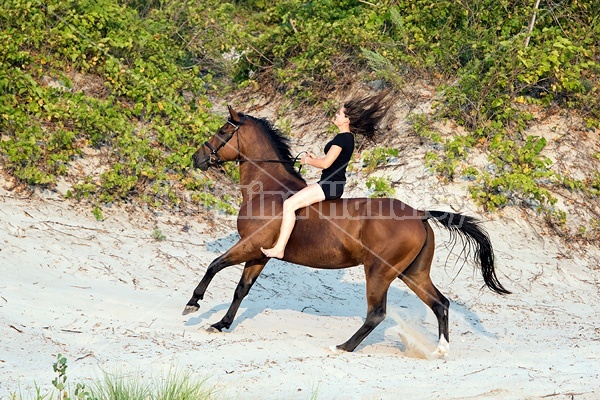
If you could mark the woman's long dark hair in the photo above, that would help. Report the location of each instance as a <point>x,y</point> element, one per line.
<point>365,113</point>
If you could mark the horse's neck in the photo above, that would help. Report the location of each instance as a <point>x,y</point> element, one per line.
<point>258,176</point>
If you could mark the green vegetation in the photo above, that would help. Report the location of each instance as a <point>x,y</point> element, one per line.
<point>76,74</point>
<point>158,235</point>
<point>380,187</point>
<point>306,49</point>
<point>131,79</point>
<point>376,157</point>
<point>174,386</point>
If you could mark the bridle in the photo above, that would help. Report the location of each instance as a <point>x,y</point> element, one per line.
<point>215,159</point>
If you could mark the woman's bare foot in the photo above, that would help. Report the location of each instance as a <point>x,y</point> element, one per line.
<point>273,253</point>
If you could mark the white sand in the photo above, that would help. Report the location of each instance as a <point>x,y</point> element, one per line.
<point>109,297</point>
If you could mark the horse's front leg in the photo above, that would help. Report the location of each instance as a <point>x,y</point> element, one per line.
<point>235,255</point>
<point>252,270</point>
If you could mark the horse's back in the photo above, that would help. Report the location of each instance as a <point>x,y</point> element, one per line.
<point>343,232</point>
<point>362,208</point>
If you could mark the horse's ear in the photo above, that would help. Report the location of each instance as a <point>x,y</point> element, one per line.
<point>233,115</point>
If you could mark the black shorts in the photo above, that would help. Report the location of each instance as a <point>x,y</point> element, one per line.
<point>332,190</point>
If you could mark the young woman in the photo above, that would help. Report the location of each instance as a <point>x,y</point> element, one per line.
<point>357,116</point>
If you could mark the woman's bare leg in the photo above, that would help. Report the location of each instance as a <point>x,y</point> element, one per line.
<point>309,195</point>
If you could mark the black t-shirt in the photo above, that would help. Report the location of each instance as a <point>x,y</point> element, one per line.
<point>337,171</point>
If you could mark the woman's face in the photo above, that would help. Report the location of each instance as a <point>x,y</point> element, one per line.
<point>340,118</point>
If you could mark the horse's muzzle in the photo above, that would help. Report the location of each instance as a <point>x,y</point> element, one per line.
<point>200,160</point>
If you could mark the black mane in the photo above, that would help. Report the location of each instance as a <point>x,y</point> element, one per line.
<point>280,144</point>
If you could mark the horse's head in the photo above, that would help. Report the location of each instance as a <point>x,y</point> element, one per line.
<point>223,146</point>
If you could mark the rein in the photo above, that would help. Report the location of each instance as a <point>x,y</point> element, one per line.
<point>293,162</point>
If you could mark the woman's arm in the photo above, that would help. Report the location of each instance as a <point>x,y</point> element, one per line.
<point>326,161</point>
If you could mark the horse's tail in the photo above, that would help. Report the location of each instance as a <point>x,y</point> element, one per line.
<point>477,239</point>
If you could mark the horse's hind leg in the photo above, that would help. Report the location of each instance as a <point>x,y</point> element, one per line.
<point>252,270</point>
<point>417,278</point>
<point>378,283</point>
<point>235,255</point>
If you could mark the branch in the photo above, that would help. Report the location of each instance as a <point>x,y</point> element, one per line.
<point>366,2</point>
<point>532,22</point>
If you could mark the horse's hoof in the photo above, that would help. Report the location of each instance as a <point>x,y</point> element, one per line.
<point>337,349</point>
<point>442,349</point>
<point>214,329</point>
<point>334,349</point>
<point>190,309</point>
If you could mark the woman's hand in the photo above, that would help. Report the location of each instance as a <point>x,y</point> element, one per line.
<point>322,162</point>
<point>304,160</point>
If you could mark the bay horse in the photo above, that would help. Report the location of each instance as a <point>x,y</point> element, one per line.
<point>390,238</point>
